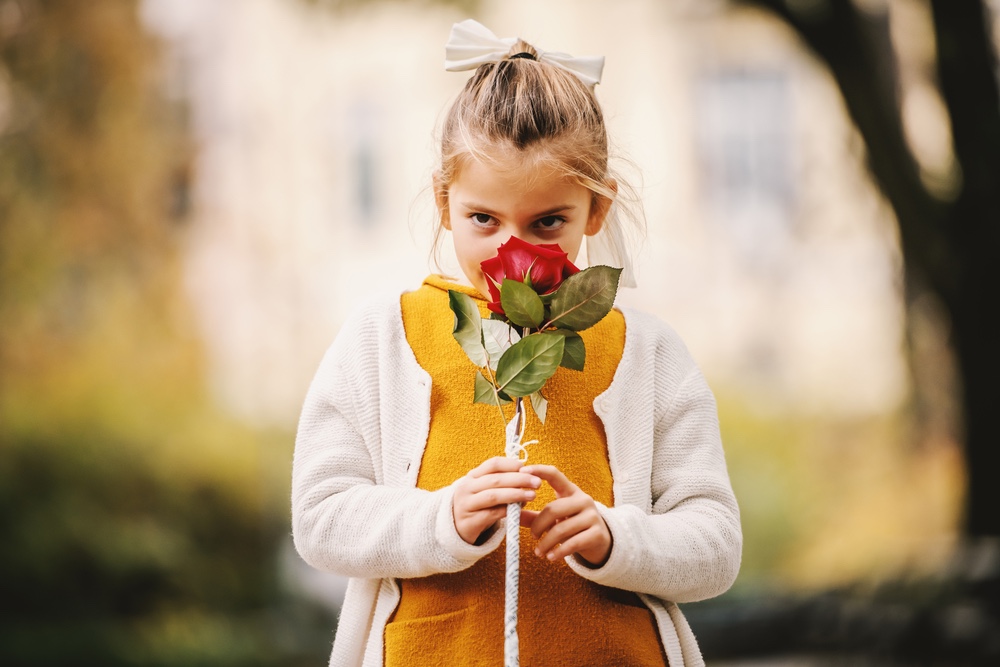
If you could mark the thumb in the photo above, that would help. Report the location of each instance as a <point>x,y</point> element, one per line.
<point>556,479</point>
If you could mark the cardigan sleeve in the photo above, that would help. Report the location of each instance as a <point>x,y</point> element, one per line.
<point>347,518</point>
<point>687,544</point>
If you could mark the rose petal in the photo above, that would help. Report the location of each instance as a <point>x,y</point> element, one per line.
<point>516,256</point>
<point>493,270</point>
<point>569,268</point>
<point>555,249</point>
<point>547,274</point>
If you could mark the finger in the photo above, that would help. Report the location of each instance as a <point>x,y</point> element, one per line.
<point>581,542</point>
<point>561,533</point>
<point>500,480</point>
<point>483,519</point>
<point>495,464</point>
<point>558,510</point>
<point>491,498</point>
<point>527,517</point>
<point>556,479</point>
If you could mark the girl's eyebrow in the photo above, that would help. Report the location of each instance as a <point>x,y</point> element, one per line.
<point>556,209</point>
<point>473,206</point>
<point>562,208</point>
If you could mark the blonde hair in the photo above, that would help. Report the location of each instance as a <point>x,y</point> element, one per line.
<point>542,112</point>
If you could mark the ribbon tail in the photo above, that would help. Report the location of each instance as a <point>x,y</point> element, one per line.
<point>608,247</point>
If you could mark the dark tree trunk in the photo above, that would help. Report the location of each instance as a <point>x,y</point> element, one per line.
<point>954,246</point>
<point>967,71</point>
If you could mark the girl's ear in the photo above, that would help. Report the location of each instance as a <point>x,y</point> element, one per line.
<point>599,207</point>
<point>441,199</point>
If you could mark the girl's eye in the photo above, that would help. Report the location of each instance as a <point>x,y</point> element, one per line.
<point>481,218</point>
<point>551,222</point>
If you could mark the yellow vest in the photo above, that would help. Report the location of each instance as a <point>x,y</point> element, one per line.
<point>563,619</point>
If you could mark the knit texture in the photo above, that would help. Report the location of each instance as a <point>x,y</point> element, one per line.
<point>357,511</point>
<point>457,618</point>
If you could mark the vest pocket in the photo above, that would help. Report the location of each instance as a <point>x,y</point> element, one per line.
<point>455,638</point>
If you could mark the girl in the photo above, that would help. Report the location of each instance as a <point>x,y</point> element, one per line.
<point>396,480</point>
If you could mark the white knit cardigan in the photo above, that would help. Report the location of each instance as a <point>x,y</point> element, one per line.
<point>356,510</point>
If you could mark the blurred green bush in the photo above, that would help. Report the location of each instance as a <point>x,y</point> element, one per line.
<point>113,558</point>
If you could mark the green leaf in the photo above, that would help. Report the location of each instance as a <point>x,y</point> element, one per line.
<point>522,305</point>
<point>585,298</point>
<point>539,405</point>
<point>468,329</point>
<point>529,362</point>
<point>575,353</point>
<point>498,337</point>
<point>485,391</point>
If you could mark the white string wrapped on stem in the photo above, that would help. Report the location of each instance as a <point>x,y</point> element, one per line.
<point>514,449</point>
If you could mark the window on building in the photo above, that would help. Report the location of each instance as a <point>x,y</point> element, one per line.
<point>744,147</point>
<point>363,162</point>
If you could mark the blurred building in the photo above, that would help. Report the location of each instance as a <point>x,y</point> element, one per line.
<point>768,247</point>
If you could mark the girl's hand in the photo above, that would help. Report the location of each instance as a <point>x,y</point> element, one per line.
<point>570,524</point>
<point>481,497</point>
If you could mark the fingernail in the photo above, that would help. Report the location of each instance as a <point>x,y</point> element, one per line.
<point>529,495</point>
<point>538,552</point>
<point>552,555</point>
<point>535,482</point>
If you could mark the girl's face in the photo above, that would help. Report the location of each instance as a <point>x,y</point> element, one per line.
<point>487,204</point>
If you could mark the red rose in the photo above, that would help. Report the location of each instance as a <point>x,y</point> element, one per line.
<point>546,265</point>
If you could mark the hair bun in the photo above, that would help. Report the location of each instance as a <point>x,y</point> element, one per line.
<point>521,49</point>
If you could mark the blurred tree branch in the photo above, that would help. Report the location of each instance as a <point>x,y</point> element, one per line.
<point>952,245</point>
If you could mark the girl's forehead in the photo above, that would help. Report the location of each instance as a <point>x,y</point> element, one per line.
<point>512,164</point>
<point>517,191</point>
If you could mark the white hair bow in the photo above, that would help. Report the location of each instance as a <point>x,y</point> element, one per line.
<point>471,44</point>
